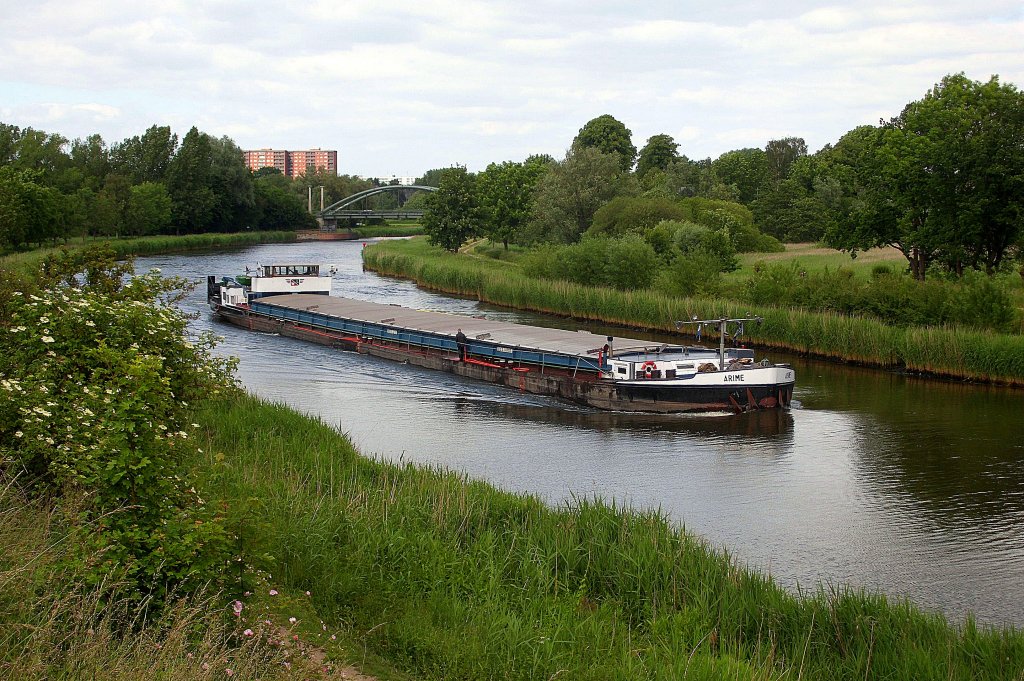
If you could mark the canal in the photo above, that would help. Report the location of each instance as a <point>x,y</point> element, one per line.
<point>877,481</point>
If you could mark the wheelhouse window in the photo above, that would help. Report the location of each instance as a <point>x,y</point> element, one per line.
<point>294,270</point>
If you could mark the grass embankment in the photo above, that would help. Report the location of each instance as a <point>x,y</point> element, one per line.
<point>950,352</point>
<point>55,626</point>
<point>374,232</point>
<point>152,245</point>
<point>451,579</point>
<point>407,570</point>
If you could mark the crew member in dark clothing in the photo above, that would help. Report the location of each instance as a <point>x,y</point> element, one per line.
<point>460,340</point>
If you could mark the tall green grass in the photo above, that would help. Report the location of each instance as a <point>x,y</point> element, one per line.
<point>950,352</point>
<point>151,245</point>
<point>452,579</point>
<point>388,230</point>
<point>55,626</point>
<point>195,242</point>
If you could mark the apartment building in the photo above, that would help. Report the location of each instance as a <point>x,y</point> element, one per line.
<point>292,163</point>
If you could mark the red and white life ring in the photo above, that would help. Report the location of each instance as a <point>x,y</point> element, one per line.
<point>648,368</point>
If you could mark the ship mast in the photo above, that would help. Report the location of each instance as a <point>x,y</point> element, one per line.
<point>723,330</point>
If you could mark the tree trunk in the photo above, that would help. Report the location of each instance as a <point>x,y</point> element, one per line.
<point>918,263</point>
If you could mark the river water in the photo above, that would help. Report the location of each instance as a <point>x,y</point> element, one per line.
<point>877,481</point>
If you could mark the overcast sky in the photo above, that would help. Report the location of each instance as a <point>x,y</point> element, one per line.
<point>402,86</point>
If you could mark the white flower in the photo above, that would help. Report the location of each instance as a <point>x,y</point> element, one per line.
<point>90,322</point>
<point>47,339</point>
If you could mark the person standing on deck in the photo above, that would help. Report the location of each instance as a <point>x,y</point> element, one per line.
<point>460,340</point>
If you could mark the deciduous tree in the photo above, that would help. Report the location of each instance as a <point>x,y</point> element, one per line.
<point>146,158</point>
<point>149,209</point>
<point>452,212</point>
<point>746,169</point>
<point>658,154</point>
<point>572,191</point>
<point>943,181</point>
<point>609,136</point>
<point>29,211</point>
<point>188,182</point>
<point>781,154</point>
<point>506,194</point>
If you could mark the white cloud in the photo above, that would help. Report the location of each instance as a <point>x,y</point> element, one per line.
<point>830,19</point>
<point>402,87</point>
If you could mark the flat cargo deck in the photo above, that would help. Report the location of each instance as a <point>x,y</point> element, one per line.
<point>555,341</point>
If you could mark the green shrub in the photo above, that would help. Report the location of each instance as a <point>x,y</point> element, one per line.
<point>629,264</point>
<point>694,273</point>
<point>773,284</point>
<point>661,237</point>
<point>978,300</point>
<point>691,238</point>
<point>975,300</point>
<point>95,375</point>
<point>881,269</point>
<point>584,261</point>
<point>743,235</point>
<point>626,263</point>
<point>633,214</point>
<point>541,262</point>
<point>708,211</point>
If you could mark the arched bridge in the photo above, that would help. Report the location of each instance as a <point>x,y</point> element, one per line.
<point>343,211</point>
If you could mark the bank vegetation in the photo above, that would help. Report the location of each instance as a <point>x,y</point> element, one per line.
<point>158,521</point>
<point>945,350</point>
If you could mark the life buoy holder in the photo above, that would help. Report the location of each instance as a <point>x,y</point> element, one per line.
<point>648,369</point>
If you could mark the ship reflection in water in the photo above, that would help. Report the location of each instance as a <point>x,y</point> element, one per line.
<point>775,424</point>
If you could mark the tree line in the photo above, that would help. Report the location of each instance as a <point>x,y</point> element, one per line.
<point>53,189</point>
<point>943,182</point>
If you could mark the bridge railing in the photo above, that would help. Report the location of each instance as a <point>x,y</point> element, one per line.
<point>338,207</point>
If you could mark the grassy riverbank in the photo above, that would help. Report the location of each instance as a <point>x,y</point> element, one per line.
<point>152,245</point>
<point>950,352</point>
<point>451,579</point>
<point>332,558</point>
<point>413,572</point>
<point>410,572</point>
<point>373,232</point>
<point>158,522</point>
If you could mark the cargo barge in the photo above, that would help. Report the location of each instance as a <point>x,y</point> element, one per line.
<point>619,374</point>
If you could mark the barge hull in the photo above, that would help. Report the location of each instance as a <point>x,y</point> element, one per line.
<point>580,387</point>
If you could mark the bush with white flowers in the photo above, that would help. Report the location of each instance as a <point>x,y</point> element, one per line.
<point>95,383</point>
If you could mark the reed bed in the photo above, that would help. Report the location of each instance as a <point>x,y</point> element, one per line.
<point>152,245</point>
<point>450,578</point>
<point>195,242</point>
<point>943,351</point>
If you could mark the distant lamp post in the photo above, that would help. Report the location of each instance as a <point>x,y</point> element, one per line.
<point>321,198</point>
